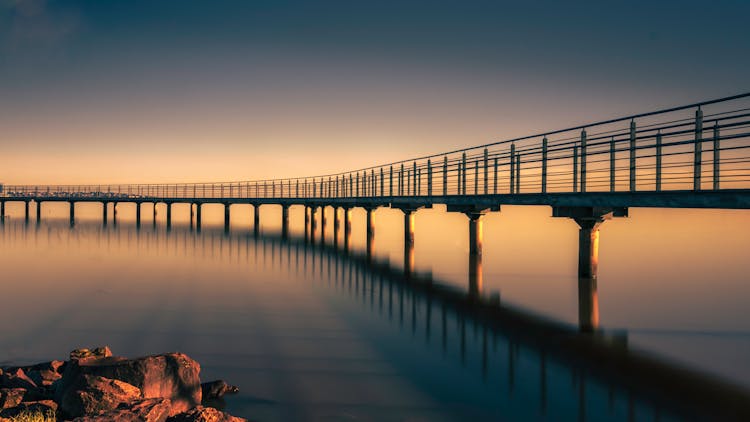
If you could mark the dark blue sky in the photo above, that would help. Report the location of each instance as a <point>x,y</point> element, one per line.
<point>421,75</point>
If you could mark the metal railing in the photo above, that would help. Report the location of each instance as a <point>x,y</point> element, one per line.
<point>702,146</point>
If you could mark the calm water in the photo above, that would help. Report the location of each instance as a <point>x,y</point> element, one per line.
<point>309,334</point>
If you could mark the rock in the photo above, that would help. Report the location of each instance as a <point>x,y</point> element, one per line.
<point>42,406</point>
<point>17,378</point>
<point>205,414</point>
<point>92,395</point>
<point>45,374</point>
<point>217,389</point>
<point>11,397</point>
<point>173,376</point>
<point>148,410</point>
<point>96,353</point>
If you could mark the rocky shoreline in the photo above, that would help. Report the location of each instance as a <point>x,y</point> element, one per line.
<point>95,386</point>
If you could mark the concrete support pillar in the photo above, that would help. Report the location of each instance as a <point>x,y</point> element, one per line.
<point>307,223</point>
<point>26,211</point>
<point>72,213</point>
<point>347,228</point>
<point>198,207</point>
<point>370,233</point>
<point>285,221</point>
<point>114,214</point>
<point>313,225</point>
<point>154,217</point>
<point>323,225</point>
<point>589,220</point>
<point>104,213</point>
<point>169,215</point>
<point>408,242</point>
<point>336,227</point>
<point>192,216</point>
<point>138,214</point>
<point>38,212</point>
<point>256,219</point>
<point>226,217</point>
<point>475,254</point>
<point>2,212</point>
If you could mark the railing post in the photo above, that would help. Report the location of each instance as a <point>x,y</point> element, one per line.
<point>429,177</point>
<point>632,155</point>
<point>445,175</point>
<point>512,168</point>
<point>382,183</point>
<point>583,160</point>
<point>374,183</point>
<point>717,156</point>
<point>414,174</point>
<point>401,181</point>
<point>476,177</point>
<point>419,182</point>
<point>658,161</point>
<point>463,176</point>
<point>494,179</point>
<point>612,164</point>
<point>518,173</point>
<point>486,172</point>
<point>575,168</point>
<point>390,177</point>
<point>698,149</point>
<point>544,165</point>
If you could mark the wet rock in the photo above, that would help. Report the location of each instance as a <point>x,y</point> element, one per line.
<point>147,410</point>
<point>92,395</point>
<point>205,414</point>
<point>173,376</point>
<point>11,397</point>
<point>42,406</point>
<point>217,389</point>
<point>17,378</point>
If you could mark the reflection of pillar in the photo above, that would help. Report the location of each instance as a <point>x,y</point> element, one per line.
<point>192,216</point>
<point>588,262</point>
<point>198,216</point>
<point>154,217</point>
<point>256,219</point>
<point>285,221</point>
<point>336,228</point>
<point>72,213</point>
<point>347,228</point>
<point>138,214</point>
<point>114,213</point>
<point>370,233</point>
<point>408,242</point>
<point>104,213</point>
<point>475,254</point>
<point>226,216</point>
<point>322,225</point>
<point>313,225</point>
<point>169,215</point>
<point>38,212</point>
<point>307,223</point>
<point>26,211</point>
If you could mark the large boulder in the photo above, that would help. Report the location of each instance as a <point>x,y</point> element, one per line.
<point>16,378</point>
<point>11,397</point>
<point>92,395</point>
<point>205,414</point>
<point>146,410</point>
<point>45,374</point>
<point>173,376</point>
<point>217,389</point>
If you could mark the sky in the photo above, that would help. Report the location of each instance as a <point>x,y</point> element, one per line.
<point>183,91</point>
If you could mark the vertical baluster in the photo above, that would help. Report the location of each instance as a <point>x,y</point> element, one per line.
<point>463,175</point>
<point>658,161</point>
<point>429,177</point>
<point>632,155</point>
<point>544,164</point>
<point>419,182</point>
<point>612,175</point>
<point>512,168</point>
<point>382,183</point>
<point>575,168</point>
<point>494,179</point>
<point>583,160</point>
<point>717,156</point>
<point>445,175</point>
<point>414,175</point>
<point>486,172</point>
<point>518,173</point>
<point>390,177</point>
<point>401,181</point>
<point>476,177</point>
<point>698,149</point>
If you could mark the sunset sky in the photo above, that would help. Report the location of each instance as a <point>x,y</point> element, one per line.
<point>177,91</point>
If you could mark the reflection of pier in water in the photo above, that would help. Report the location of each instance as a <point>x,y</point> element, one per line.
<point>500,341</point>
